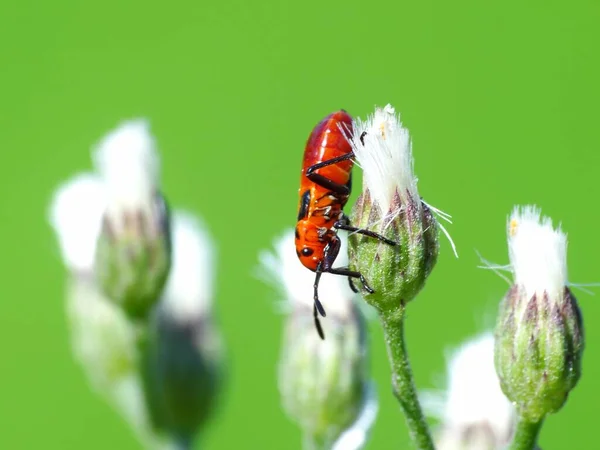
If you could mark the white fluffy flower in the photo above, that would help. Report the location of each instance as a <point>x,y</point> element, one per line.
<point>76,214</point>
<point>473,406</point>
<point>537,251</point>
<point>189,289</point>
<point>286,272</point>
<point>129,164</point>
<point>383,149</point>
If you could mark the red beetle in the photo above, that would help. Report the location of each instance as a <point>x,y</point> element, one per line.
<point>325,186</point>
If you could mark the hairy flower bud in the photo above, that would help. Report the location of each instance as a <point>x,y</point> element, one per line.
<point>323,383</point>
<point>390,205</point>
<point>133,250</point>
<point>539,334</point>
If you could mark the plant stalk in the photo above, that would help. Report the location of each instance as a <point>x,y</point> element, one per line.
<point>526,434</point>
<point>402,379</point>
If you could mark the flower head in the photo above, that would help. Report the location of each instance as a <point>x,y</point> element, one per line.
<point>539,334</point>
<point>390,206</point>
<point>475,414</point>
<point>323,384</point>
<point>133,254</point>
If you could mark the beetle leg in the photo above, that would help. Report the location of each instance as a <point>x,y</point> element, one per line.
<point>325,182</point>
<point>351,283</point>
<point>352,274</point>
<point>318,322</point>
<point>318,305</point>
<point>343,224</point>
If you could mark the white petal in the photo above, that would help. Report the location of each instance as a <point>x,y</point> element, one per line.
<point>76,216</point>
<point>189,290</point>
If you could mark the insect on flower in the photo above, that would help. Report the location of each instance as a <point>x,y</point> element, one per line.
<point>325,186</point>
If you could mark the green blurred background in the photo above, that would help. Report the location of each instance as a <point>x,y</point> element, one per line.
<point>501,99</point>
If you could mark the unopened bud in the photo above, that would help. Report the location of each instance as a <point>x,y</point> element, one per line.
<point>183,354</point>
<point>323,383</point>
<point>133,251</point>
<point>390,206</point>
<point>539,335</point>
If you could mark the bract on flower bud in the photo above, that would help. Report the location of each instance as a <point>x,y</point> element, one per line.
<point>539,334</point>
<point>183,359</point>
<point>133,250</point>
<point>390,205</point>
<point>323,383</point>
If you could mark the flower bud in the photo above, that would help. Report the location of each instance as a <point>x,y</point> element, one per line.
<point>474,412</point>
<point>183,355</point>
<point>133,250</point>
<point>323,383</point>
<point>539,334</point>
<point>104,340</point>
<point>390,206</point>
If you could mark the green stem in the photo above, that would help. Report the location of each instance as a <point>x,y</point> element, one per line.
<point>526,434</point>
<point>402,379</point>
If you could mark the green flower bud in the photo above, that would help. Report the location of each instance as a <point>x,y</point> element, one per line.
<point>133,250</point>
<point>182,354</point>
<point>132,264</point>
<point>390,206</point>
<point>323,383</point>
<point>539,334</point>
<point>181,374</point>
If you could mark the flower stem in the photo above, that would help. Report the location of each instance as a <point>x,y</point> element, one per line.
<point>402,378</point>
<point>526,434</point>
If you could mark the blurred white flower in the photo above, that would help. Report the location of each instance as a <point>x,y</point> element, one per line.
<point>159,372</point>
<point>133,251</point>
<point>184,359</point>
<point>474,412</point>
<point>127,160</point>
<point>189,289</point>
<point>323,383</point>
<point>284,271</point>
